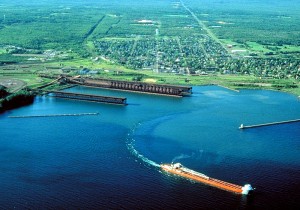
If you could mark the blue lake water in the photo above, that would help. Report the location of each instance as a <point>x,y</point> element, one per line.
<point>109,161</point>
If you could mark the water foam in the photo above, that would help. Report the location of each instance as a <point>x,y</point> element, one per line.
<point>179,157</point>
<point>130,145</point>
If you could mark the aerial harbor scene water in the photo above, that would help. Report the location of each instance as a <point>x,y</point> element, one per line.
<point>111,160</point>
<point>149,104</point>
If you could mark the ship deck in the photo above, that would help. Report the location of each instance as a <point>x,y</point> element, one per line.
<point>209,181</point>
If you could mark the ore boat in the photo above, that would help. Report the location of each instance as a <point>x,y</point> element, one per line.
<point>182,171</point>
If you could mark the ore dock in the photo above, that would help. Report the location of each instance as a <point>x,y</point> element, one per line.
<point>158,89</point>
<point>89,97</point>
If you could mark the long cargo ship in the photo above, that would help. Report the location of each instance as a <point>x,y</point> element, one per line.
<point>180,170</point>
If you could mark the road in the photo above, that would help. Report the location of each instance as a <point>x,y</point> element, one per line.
<point>202,25</point>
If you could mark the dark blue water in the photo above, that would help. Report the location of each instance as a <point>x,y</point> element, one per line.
<point>109,161</point>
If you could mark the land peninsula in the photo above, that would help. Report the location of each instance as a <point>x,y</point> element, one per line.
<point>170,42</point>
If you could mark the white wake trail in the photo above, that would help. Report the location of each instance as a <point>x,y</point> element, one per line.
<point>130,145</point>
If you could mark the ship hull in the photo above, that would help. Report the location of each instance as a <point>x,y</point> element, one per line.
<point>203,179</point>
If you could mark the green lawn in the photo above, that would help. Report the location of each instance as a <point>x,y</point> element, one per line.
<point>256,47</point>
<point>2,51</point>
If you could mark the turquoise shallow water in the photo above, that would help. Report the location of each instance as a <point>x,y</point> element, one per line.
<point>110,160</point>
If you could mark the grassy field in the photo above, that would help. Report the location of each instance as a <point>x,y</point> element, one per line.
<point>115,71</point>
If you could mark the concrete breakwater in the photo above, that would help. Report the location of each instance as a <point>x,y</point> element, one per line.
<point>268,124</point>
<point>55,115</point>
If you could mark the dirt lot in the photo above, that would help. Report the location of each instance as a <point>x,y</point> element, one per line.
<point>12,84</point>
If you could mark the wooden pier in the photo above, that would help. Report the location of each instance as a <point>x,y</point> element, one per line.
<point>267,124</point>
<point>159,89</point>
<point>55,115</point>
<point>89,97</point>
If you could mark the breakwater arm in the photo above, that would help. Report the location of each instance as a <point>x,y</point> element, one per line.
<point>55,115</point>
<point>268,124</point>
